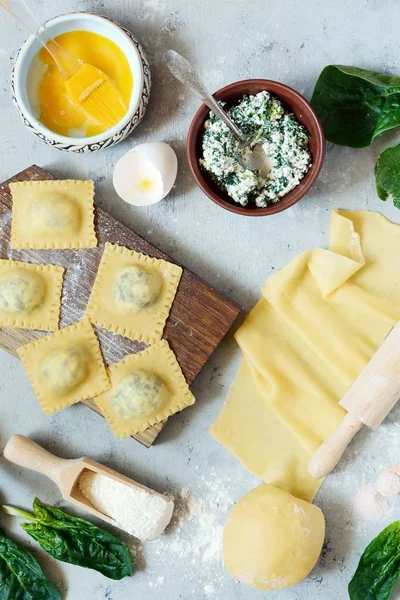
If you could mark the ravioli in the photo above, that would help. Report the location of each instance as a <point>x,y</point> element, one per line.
<point>53,214</point>
<point>138,394</point>
<point>63,370</point>
<point>21,291</point>
<point>66,367</point>
<point>133,294</point>
<point>135,289</point>
<point>30,295</point>
<point>146,388</point>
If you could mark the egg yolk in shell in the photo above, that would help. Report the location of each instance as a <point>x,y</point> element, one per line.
<point>46,86</point>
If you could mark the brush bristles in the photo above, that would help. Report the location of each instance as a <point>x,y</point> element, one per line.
<point>105,104</point>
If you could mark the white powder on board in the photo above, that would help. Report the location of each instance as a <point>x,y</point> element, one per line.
<point>5,221</point>
<point>369,505</point>
<point>137,510</point>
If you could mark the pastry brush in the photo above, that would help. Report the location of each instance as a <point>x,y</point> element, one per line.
<point>86,85</point>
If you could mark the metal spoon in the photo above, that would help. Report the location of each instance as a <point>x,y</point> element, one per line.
<point>255,157</point>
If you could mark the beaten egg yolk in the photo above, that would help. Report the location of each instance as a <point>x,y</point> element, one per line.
<point>57,111</point>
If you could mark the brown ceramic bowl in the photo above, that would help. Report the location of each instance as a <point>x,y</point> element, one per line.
<point>294,102</point>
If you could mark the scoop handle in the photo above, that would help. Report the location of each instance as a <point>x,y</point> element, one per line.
<point>330,452</point>
<point>26,453</point>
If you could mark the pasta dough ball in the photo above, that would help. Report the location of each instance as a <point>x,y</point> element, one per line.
<point>139,394</point>
<point>21,291</point>
<point>63,370</point>
<point>54,213</point>
<point>136,289</point>
<point>272,540</point>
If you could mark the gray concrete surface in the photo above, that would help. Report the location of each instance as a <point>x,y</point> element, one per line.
<point>227,40</point>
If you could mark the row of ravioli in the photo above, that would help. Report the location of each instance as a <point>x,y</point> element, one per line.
<point>132,296</point>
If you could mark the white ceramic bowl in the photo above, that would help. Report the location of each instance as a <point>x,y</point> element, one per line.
<point>137,61</point>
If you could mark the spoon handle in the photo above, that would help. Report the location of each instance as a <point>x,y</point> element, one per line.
<point>184,72</point>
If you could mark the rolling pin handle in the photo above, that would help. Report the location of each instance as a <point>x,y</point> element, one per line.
<point>26,453</point>
<point>330,452</point>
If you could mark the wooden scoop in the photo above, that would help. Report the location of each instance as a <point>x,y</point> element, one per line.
<point>66,474</point>
<point>371,397</point>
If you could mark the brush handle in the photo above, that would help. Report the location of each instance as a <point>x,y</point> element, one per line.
<point>26,453</point>
<point>330,452</point>
<point>66,62</point>
<point>21,11</point>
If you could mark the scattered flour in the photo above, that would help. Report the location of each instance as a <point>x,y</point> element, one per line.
<point>151,8</point>
<point>5,224</point>
<point>369,505</point>
<point>206,533</point>
<point>158,583</point>
<point>209,589</point>
<point>388,483</point>
<point>195,536</point>
<point>154,5</point>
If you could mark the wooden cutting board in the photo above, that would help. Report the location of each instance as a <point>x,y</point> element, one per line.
<point>200,316</point>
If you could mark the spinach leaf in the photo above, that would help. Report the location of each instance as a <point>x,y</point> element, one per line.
<point>355,105</point>
<point>21,577</point>
<point>76,541</point>
<point>387,175</point>
<point>379,567</point>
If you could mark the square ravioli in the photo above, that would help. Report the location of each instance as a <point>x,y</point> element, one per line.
<point>30,295</point>
<point>53,214</point>
<point>133,294</point>
<point>146,388</point>
<point>66,367</point>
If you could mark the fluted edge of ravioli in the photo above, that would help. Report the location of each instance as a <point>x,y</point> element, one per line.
<point>46,316</point>
<point>23,239</point>
<point>50,402</point>
<point>173,374</point>
<point>114,321</point>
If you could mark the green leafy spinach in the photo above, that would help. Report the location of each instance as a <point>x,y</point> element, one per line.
<point>379,567</point>
<point>387,175</point>
<point>355,105</point>
<point>75,540</point>
<point>21,577</point>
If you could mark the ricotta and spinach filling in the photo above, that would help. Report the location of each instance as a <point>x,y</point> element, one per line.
<point>283,138</point>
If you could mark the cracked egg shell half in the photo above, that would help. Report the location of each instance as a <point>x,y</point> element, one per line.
<point>146,174</point>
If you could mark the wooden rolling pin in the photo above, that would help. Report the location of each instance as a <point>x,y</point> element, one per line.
<point>371,397</point>
<point>140,511</point>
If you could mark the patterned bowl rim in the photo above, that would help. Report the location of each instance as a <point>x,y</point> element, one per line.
<point>26,109</point>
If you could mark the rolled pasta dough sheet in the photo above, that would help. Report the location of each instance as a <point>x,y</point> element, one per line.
<point>255,435</point>
<point>320,320</point>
